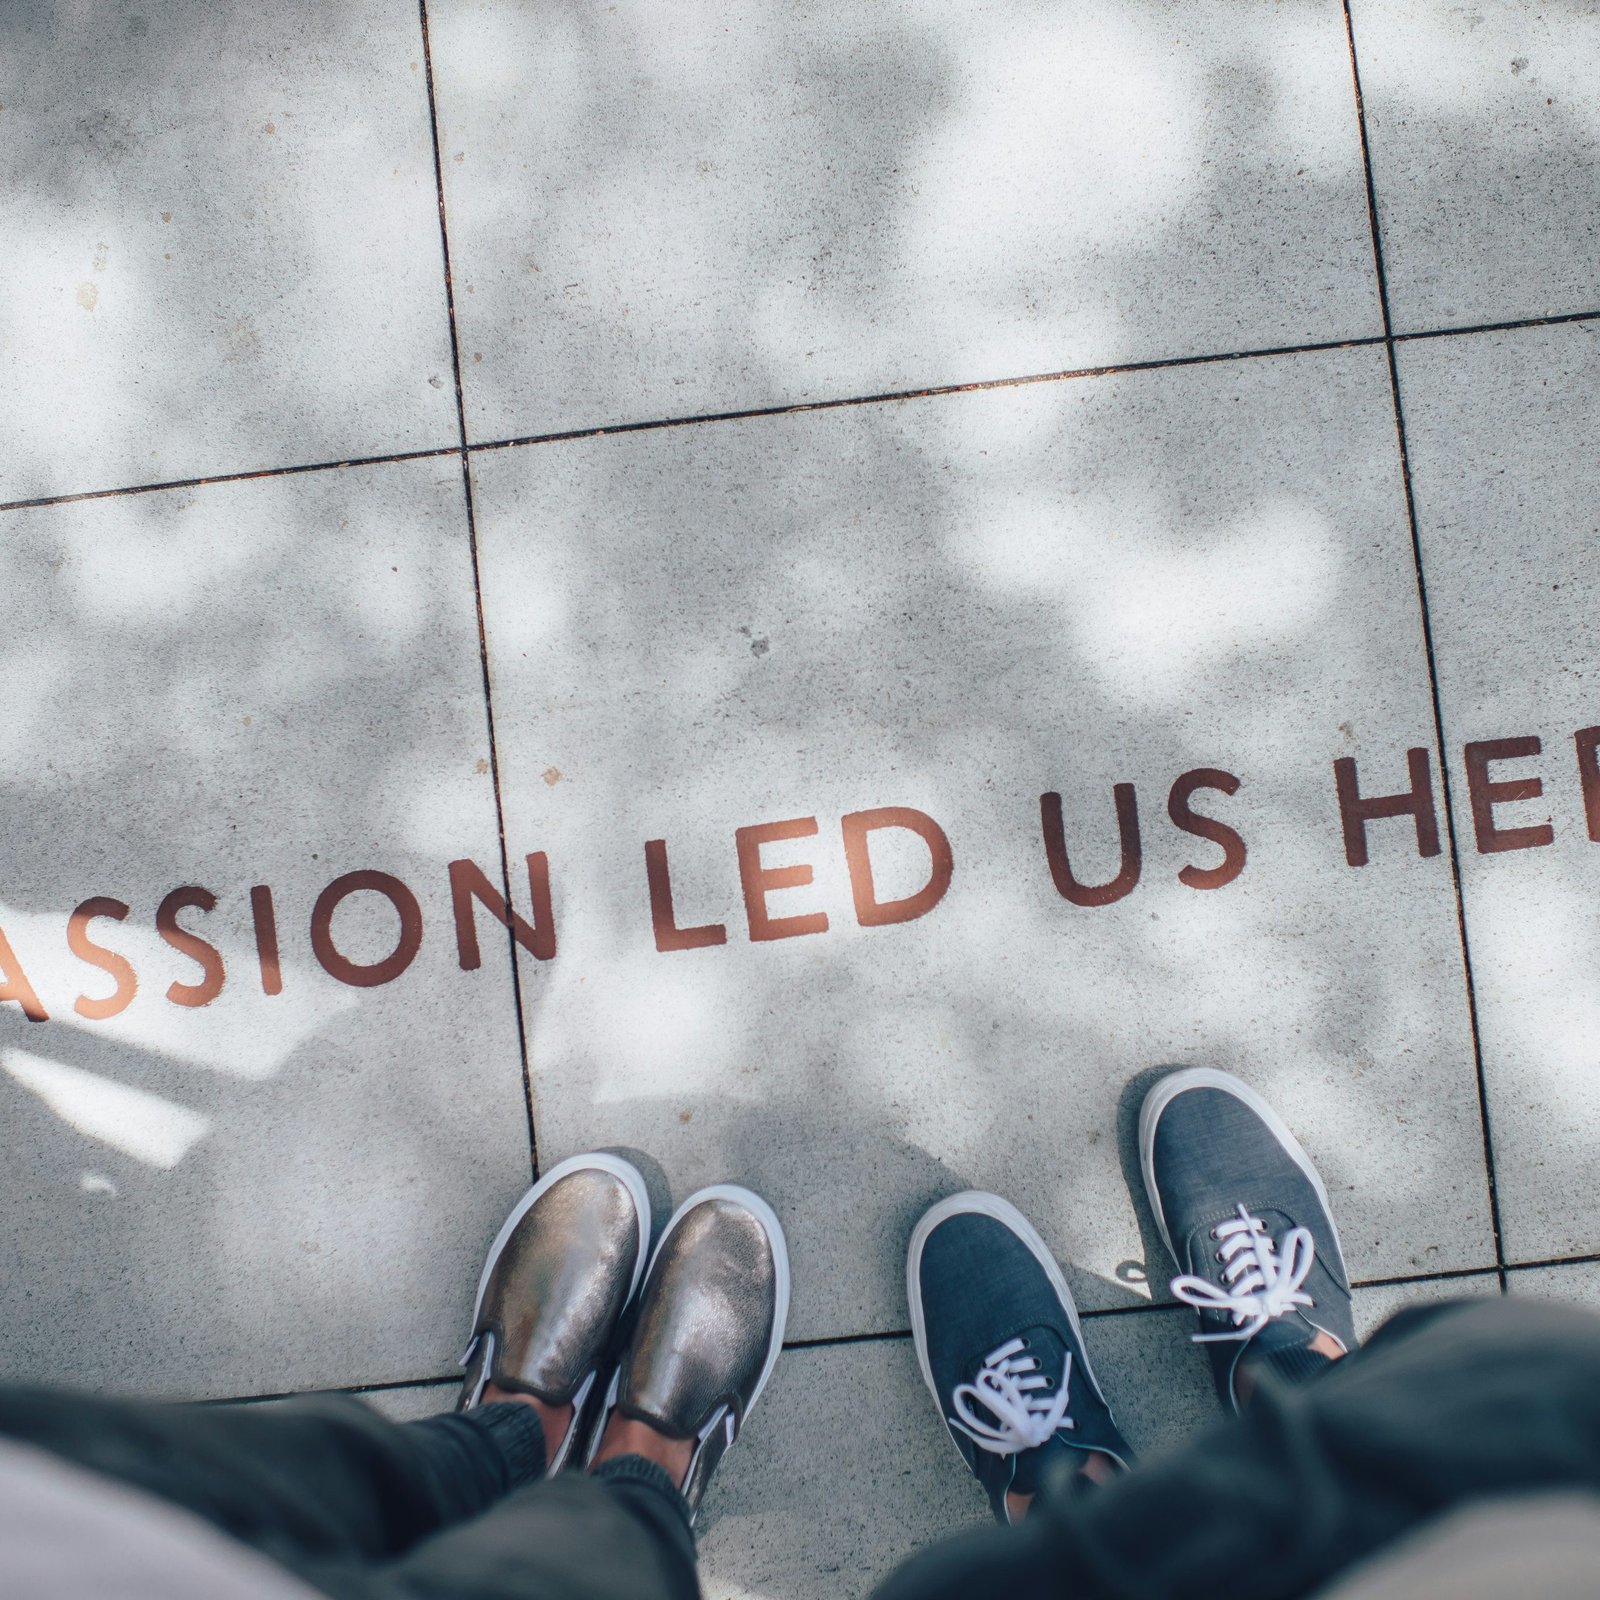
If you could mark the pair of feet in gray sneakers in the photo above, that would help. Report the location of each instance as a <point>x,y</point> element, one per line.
<point>1245,1218</point>
<point>621,1349</point>
<point>625,1350</point>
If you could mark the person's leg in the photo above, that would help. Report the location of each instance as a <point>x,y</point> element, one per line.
<point>621,1533</point>
<point>316,1479</point>
<point>708,1333</point>
<point>1443,1406</point>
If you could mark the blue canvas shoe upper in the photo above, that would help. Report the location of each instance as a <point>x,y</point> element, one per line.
<point>1246,1217</point>
<point>1001,1349</point>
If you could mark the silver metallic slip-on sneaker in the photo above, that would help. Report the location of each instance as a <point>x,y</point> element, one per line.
<point>559,1276</point>
<point>710,1327</point>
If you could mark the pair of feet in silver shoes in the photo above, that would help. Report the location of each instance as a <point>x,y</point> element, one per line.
<point>575,1309</point>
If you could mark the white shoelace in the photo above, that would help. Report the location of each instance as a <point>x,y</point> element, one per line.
<point>1263,1280</point>
<point>1011,1388</point>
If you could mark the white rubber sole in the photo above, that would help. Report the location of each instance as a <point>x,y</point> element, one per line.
<point>768,1218</point>
<point>601,1161</point>
<point>1169,1088</point>
<point>975,1202</point>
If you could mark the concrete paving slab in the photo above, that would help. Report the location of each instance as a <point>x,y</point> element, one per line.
<point>843,1472</point>
<point>1506,482</point>
<point>211,1188</point>
<point>667,212</point>
<point>1375,1304</point>
<point>221,241</point>
<point>957,606</point>
<point>1576,1282</point>
<point>1485,151</point>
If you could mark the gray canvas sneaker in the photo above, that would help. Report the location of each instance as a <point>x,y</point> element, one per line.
<point>558,1278</point>
<point>1246,1218</point>
<point>1001,1348</point>
<point>709,1329</point>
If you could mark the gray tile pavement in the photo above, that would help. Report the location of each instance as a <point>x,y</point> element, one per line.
<point>1506,486</point>
<point>1577,1283</point>
<point>221,241</point>
<point>666,212</point>
<point>209,1188</point>
<point>1484,138</point>
<point>955,604</point>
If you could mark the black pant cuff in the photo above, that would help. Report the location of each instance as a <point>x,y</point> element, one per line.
<point>517,1433</point>
<point>1292,1364</point>
<point>648,1474</point>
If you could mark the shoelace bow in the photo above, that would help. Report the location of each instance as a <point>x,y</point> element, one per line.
<point>1263,1279</point>
<point>1015,1393</point>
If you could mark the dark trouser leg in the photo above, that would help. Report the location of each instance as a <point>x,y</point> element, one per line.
<point>323,1479</point>
<point>620,1534</point>
<point>1443,1405</point>
<point>360,1506</point>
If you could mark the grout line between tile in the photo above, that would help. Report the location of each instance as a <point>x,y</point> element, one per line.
<point>1556,321</point>
<point>1554,1261</point>
<point>892,1335</point>
<point>889,396</point>
<point>1428,646</point>
<point>828,1341</point>
<point>477,591</point>
<point>1067,375</point>
<point>389,1386</point>
<point>228,477</point>
<point>1489,1269</point>
<point>405,1383</point>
